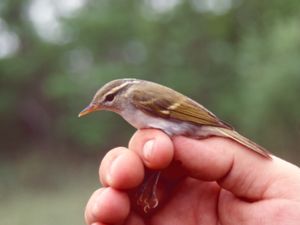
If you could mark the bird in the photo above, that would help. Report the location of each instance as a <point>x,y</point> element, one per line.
<point>146,104</point>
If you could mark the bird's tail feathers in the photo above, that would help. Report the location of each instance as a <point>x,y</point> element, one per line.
<point>232,134</point>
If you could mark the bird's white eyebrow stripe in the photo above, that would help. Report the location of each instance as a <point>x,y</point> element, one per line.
<point>115,89</point>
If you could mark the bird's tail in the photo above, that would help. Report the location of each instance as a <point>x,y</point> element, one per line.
<point>219,131</point>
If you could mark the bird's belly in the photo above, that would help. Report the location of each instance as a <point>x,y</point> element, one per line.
<point>142,120</point>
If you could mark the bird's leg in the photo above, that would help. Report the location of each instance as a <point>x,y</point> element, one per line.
<point>147,197</point>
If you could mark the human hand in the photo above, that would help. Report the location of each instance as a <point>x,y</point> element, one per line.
<point>226,183</point>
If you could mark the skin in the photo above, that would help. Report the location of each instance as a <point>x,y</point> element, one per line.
<point>225,184</point>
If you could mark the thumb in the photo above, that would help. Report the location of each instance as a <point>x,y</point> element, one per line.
<point>237,169</point>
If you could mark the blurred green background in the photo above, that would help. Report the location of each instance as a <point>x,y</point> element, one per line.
<point>241,59</point>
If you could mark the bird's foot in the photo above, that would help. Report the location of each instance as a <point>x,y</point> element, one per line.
<point>147,198</point>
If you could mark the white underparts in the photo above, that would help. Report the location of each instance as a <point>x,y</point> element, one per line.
<point>140,120</point>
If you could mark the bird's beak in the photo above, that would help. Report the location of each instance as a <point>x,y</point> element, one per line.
<point>89,109</point>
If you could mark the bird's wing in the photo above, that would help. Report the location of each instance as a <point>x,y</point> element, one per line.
<point>184,109</point>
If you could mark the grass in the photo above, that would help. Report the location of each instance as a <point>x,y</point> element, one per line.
<point>38,191</point>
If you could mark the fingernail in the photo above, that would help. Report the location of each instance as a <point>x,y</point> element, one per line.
<point>148,149</point>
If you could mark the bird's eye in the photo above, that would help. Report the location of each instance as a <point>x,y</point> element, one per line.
<point>109,98</point>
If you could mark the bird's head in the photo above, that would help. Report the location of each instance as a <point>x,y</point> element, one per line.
<point>109,97</point>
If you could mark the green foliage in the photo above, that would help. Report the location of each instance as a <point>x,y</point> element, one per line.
<point>272,79</point>
<point>242,63</point>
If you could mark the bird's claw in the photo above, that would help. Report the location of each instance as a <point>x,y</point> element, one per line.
<point>148,202</point>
